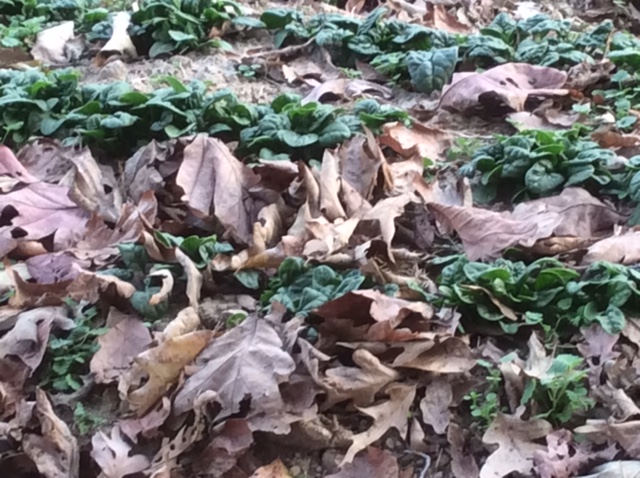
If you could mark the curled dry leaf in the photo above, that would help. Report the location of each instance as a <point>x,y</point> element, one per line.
<point>622,249</point>
<point>345,88</point>
<point>368,315</point>
<point>562,459</point>
<point>359,166</point>
<point>55,452</point>
<point>330,205</point>
<point>247,361</point>
<point>163,365</point>
<point>419,140</point>
<point>57,45</point>
<point>165,289</point>
<point>625,434</point>
<point>216,183</point>
<point>28,338</point>
<point>186,321</point>
<point>392,413</point>
<point>504,86</point>
<point>516,440</point>
<point>37,211</point>
<point>452,355</point>
<point>118,348</point>
<point>615,469</point>
<point>111,453</point>
<point>120,43</point>
<point>147,425</point>
<point>357,383</point>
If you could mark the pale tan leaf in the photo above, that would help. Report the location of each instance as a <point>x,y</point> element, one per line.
<point>118,348</point>
<point>392,413</point>
<point>452,355</point>
<point>55,452</point>
<point>330,205</point>
<point>274,470</point>
<point>418,140</point>
<point>516,440</point>
<point>163,365</point>
<point>375,463</point>
<point>216,183</point>
<point>435,404</point>
<point>111,453</point>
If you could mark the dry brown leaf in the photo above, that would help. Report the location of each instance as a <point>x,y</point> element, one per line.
<point>357,383</point>
<point>39,210</point>
<point>502,89</point>
<point>120,43</point>
<point>359,166</point>
<point>28,338</point>
<point>516,440</point>
<point>443,20</point>
<point>216,183</point>
<point>111,453</point>
<point>625,434</point>
<point>274,470</point>
<point>345,88</point>
<point>330,205</point>
<point>163,364</point>
<point>452,355</point>
<point>194,277</point>
<point>419,140</point>
<point>383,216</point>
<point>435,404</point>
<point>463,464</point>
<point>615,469</point>
<point>538,363</point>
<point>147,425</point>
<point>166,287</point>
<point>368,315</point>
<point>11,166</point>
<point>186,321</point>
<point>222,453</point>
<point>622,249</point>
<point>57,45</point>
<point>562,459</point>
<point>118,348</point>
<point>376,463</point>
<point>392,413</point>
<point>247,361</point>
<point>56,452</point>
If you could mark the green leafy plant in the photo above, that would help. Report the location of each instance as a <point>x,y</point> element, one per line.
<point>249,71</point>
<point>302,288</point>
<point>199,249</point>
<point>544,293</point>
<point>85,421</point>
<point>533,164</point>
<point>485,405</point>
<point>69,355</point>
<point>560,393</point>
<point>172,26</point>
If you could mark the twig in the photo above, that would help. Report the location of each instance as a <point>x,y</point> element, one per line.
<point>427,462</point>
<point>282,51</point>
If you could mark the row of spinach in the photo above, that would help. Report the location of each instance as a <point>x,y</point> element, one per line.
<point>117,118</point>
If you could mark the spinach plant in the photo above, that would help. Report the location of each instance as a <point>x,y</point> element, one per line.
<point>302,288</point>
<point>545,293</point>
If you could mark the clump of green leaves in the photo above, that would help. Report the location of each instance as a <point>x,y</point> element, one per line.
<point>485,404</point>
<point>560,393</point>
<point>302,288</point>
<point>86,421</point>
<point>533,164</point>
<point>200,249</point>
<point>249,71</point>
<point>175,26</point>
<point>69,354</point>
<point>545,293</point>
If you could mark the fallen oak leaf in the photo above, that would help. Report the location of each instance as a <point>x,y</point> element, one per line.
<point>345,88</point>
<point>376,463</point>
<point>392,413</point>
<point>419,140</point>
<point>56,452</point>
<point>622,249</point>
<point>111,453</point>
<point>516,445</point>
<point>452,355</point>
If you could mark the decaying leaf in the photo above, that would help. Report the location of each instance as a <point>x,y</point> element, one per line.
<point>275,470</point>
<point>216,183</point>
<point>392,413</point>
<point>516,440</point>
<point>163,365</point>
<point>55,452</point>
<point>247,362</point>
<point>435,404</point>
<point>419,140</point>
<point>118,348</point>
<point>111,453</point>
<point>503,88</point>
